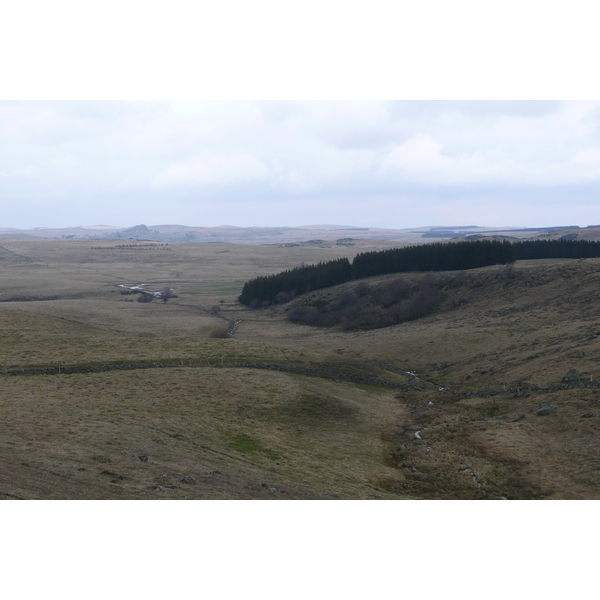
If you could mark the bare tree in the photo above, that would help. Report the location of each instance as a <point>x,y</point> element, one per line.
<point>167,293</point>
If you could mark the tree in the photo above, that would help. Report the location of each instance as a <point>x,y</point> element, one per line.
<point>167,293</point>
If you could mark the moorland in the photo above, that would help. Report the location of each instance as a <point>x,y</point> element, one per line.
<point>491,395</point>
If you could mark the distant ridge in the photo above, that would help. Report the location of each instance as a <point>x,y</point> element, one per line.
<point>328,233</point>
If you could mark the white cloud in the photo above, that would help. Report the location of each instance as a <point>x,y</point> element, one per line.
<point>311,158</point>
<point>226,168</point>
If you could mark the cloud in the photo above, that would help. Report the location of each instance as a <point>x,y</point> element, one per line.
<point>422,160</point>
<point>307,158</point>
<point>226,168</point>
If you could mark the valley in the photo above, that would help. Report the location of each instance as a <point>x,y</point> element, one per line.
<point>105,397</point>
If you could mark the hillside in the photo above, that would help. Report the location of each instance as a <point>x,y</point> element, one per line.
<point>105,397</point>
<point>311,234</point>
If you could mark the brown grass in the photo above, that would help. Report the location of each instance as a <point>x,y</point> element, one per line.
<point>242,433</point>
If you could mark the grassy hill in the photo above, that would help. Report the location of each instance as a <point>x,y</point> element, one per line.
<point>105,397</point>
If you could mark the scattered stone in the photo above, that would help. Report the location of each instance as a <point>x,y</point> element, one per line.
<point>546,409</point>
<point>172,486</point>
<point>102,458</point>
<point>589,414</point>
<point>572,375</point>
<point>188,479</point>
<point>159,489</point>
<point>481,419</point>
<point>143,458</point>
<point>518,417</point>
<point>208,473</point>
<point>582,354</point>
<point>272,489</point>
<point>430,403</point>
<point>164,477</point>
<point>561,357</point>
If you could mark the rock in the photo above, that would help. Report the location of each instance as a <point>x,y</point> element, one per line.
<point>143,458</point>
<point>589,414</point>
<point>582,354</point>
<point>104,459</point>
<point>159,489</point>
<point>164,477</point>
<point>188,479</point>
<point>546,409</point>
<point>561,357</point>
<point>518,417</point>
<point>172,486</point>
<point>572,375</point>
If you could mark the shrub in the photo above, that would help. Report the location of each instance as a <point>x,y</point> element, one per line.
<point>372,308</point>
<point>219,333</point>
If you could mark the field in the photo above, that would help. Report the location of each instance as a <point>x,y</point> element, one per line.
<point>105,397</point>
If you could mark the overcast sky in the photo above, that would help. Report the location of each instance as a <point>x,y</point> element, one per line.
<point>249,163</point>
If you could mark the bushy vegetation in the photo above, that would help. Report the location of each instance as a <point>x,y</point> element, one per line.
<point>219,333</point>
<point>372,307</point>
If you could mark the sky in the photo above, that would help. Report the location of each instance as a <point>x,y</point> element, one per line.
<point>365,163</point>
<point>437,114</point>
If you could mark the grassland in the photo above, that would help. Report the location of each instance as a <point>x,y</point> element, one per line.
<point>213,425</point>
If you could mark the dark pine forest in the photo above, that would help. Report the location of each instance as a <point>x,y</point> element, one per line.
<point>453,256</point>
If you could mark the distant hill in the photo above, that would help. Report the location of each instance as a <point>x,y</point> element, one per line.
<point>174,233</point>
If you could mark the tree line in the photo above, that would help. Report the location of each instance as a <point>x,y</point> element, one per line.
<point>528,250</point>
<point>282,287</point>
<point>442,256</point>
